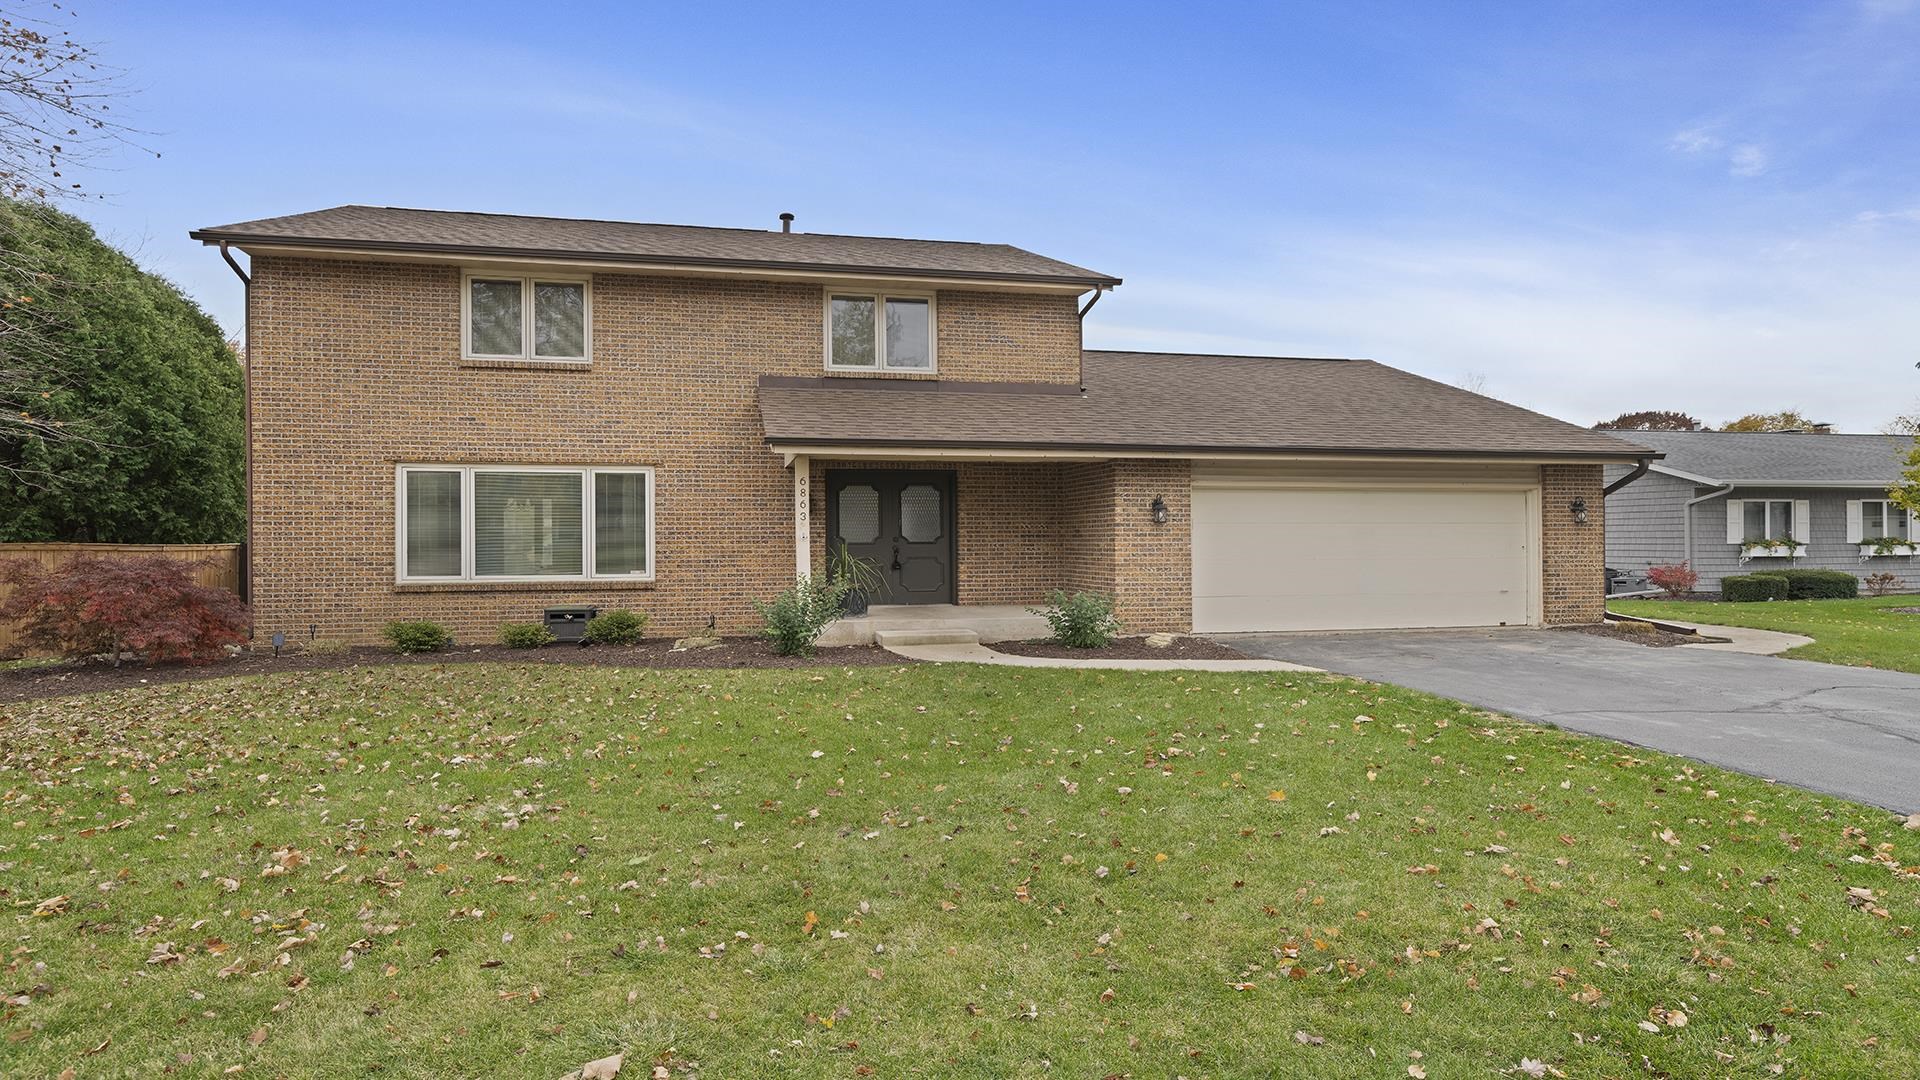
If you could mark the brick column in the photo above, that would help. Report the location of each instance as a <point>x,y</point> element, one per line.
<point>1153,563</point>
<point>1573,555</point>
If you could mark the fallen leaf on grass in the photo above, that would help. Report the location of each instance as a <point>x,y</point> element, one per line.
<point>1305,1039</point>
<point>605,1068</point>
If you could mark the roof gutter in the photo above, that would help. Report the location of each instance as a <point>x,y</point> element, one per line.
<point>246,417</point>
<point>1639,471</point>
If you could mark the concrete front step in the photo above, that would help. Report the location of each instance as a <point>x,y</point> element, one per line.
<point>988,623</point>
<point>887,639</point>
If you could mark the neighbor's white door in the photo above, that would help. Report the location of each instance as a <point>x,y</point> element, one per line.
<point>1345,559</point>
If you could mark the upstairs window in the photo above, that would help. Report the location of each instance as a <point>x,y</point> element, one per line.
<point>879,332</point>
<point>504,317</point>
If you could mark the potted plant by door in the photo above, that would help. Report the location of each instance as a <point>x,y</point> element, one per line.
<point>858,579</point>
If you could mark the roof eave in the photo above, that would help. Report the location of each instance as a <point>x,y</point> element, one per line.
<point>1710,481</point>
<point>246,240</point>
<point>799,444</point>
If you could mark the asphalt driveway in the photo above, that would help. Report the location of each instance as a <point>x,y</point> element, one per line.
<point>1847,731</point>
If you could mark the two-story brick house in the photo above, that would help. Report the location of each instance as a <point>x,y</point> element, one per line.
<point>471,417</point>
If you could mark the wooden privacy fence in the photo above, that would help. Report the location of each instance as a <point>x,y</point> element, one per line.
<point>216,564</point>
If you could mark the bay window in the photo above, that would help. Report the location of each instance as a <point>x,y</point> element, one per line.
<point>524,523</point>
<point>505,317</point>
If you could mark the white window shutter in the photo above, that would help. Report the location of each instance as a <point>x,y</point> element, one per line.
<point>1802,520</point>
<point>1736,524</point>
<point>1855,530</point>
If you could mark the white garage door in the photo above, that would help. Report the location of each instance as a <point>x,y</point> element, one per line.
<point>1316,559</point>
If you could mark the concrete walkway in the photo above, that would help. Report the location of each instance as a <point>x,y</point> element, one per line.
<point>1740,639</point>
<point>980,654</point>
<point>1853,732</point>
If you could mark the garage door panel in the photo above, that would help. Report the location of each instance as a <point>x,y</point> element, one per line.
<point>1386,543</point>
<point>1306,559</point>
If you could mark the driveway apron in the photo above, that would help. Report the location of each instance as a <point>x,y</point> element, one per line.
<point>1853,732</point>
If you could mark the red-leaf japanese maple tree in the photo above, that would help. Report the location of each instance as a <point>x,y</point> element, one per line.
<point>149,606</point>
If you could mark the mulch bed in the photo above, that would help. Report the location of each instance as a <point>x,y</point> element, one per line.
<point>1126,648</point>
<point>1652,636</point>
<point>73,677</point>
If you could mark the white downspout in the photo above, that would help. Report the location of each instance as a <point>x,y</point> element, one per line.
<point>1687,519</point>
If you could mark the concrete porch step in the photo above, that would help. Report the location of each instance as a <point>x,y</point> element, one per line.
<point>986,623</point>
<point>889,638</point>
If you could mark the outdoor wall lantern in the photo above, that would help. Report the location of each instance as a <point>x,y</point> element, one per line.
<point>1159,510</point>
<point>1579,508</point>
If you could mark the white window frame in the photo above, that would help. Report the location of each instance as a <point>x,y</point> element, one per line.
<point>588,511</point>
<point>527,283</point>
<point>1890,512</point>
<point>1768,521</point>
<point>880,298</point>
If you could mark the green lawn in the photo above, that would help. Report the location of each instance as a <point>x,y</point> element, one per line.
<point>1862,633</point>
<point>928,871</point>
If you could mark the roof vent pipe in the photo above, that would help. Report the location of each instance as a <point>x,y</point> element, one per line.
<point>786,223</point>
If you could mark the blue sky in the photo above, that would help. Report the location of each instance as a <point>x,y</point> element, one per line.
<point>1592,207</point>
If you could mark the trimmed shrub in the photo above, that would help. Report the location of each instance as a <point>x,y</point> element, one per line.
<point>149,606</point>
<point>1820,584</point>
<point>796,617</point>
<point>617,627</point>
<point>1676,580</point>
<point>1081,621</point>
<point>525,635</point>
<point>418,636</point>
<point>1748,588</point>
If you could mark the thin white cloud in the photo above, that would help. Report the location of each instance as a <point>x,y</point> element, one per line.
<point>1695,141</point>
<point>1910,215</point>
<point>1747,159</point>
<point>1743,159</point>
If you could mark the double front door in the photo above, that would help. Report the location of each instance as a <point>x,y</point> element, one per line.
<point>901,523</point>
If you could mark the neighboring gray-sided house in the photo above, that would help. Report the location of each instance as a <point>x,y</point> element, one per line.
<point>1736,502</point>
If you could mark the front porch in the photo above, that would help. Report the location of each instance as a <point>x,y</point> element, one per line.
<point>969,543</point>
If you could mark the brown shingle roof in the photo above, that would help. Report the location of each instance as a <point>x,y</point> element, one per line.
<point>389,228</point>
<point>1179,402</point>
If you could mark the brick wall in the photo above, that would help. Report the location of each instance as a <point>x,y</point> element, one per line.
<point>356,368</point>
<point>1153,564</point>
<point>1111,544</point>
<point>1573,555</point>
